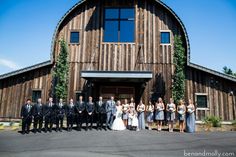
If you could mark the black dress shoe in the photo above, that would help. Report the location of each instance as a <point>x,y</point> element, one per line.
<point>23,132</point>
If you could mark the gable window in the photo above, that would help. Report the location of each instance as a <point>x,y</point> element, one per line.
<point>201,100</point>
<point>74,37</point>
<point>119,25</point>
<point>165,37</point>
<point>35,95</point>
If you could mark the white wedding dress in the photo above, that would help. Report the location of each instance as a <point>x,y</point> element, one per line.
<point>118,123</point>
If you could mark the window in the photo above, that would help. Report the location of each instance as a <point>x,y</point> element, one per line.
<point>201,100</point>
<point>119,25</point>
<point>35,95</point>
<point>74,37</point>
<point>165,37</point>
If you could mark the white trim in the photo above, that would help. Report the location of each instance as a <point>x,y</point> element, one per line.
<point>116,75</point>
<point>202,109</point>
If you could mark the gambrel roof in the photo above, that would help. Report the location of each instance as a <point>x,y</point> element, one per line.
<point>50,62</point>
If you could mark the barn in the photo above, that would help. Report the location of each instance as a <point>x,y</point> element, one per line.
<point>122,48</point>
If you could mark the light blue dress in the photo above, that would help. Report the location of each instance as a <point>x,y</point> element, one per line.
<point>149,113</point>
<point>170,115</point>
<point>190,121</point>
<point>159,113</point>
<point>141,120</point>
<point>181,117</point>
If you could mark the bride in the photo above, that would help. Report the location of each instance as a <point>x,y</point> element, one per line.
<point>118,123</point>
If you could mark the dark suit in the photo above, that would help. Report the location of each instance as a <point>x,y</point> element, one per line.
<point>70,113</point>
<point>79,111</point>
<point>59,110</point>
<point>89,109</point>
<point>38,116</point>
<point>49,116</point>
<point>26,114</point>
<point>101,113</point>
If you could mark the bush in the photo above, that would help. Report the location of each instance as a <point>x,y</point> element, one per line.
<point>213,121</point>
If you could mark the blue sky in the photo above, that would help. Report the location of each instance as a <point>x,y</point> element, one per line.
<point>27,26</point>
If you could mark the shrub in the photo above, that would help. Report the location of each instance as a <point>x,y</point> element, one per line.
<point>213,121</point>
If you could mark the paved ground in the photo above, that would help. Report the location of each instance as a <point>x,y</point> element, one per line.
<point>113,143</point>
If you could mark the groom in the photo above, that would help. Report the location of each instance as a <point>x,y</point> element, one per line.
<point>110,110</point>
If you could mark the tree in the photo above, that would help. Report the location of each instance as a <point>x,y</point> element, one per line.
<point>61,71</point>
<point>228,71</point>
<point>179,75</point>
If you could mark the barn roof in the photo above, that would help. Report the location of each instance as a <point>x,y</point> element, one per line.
<point>20,71</point>
<point>81,2</point>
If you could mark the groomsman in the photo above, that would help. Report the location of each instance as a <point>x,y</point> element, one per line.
<point>70,113</point>
<point>38,115</point>
<point>49,115</point>
<point>101,113</point>
<point>79,109</point>
<point>110,110</point>
<point>60,111</point>
<point>90,109</point>
<point>26,115</point>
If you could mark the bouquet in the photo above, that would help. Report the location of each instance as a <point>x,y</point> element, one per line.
<point>171,109</point>
<point>190,110</point>
<point>181,112</point>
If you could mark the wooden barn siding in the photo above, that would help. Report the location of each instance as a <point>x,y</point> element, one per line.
<point>144,54</point>
<point>16,89</point>
<point>219,100</point>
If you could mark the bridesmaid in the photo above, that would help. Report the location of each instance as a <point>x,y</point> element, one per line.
<point>125,110</point>
<point>181,115</point>
<point>131,109</point>
<point>170,108</point>
<point>159,113</point>
<point>149,111</point>
<point>190,117</point>
<point>141,119</point>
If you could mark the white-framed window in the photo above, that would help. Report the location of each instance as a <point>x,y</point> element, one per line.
<point>165,37</point>
<point>201,101</point>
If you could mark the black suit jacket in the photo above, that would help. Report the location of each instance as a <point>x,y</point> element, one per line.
<point>70,111</point>
<point>25,112</point>
<point>47,110</point>
<point>79,106</point>
<point>38,110</point>
<point>102,108</point>
<point>59,110</point>
<point>90,107</point>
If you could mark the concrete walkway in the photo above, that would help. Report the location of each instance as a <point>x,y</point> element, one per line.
<point>115,143</point>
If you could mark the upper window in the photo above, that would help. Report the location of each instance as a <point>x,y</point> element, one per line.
<point>201,100</point>
<point>165,37</point>
<point>119,25</point>
<point>35,95</point>
<point>74,37</point>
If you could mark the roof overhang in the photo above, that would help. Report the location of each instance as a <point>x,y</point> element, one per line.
<point>117,76</point>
